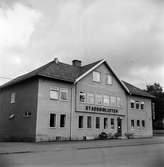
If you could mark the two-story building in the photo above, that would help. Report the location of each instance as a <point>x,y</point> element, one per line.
<point>62,101</point>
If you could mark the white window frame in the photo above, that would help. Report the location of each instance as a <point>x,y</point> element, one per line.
<point>52,97</point>
<point>55,119</point>
<point>109,79</point>
<point>112,101</point>
<point>88,96</point>
<point>13,98</point>
<point>132,101</point>
<point>96,76</point>
<point>107,99</point>
<point>65,90</point>
<point>118,101</point>
<point>98,98</point>
<point>82,94</point>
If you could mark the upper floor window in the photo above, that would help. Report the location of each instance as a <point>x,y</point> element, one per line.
<point>98,99</point>
<point>64,94</point>
<point>82,97</point>
<point>96,76</point>
<point>142,105</point>
<point>109,79</point>
<point>90,98</point>
<point>54,94</point>
<point>132,103</point>
<point>106,100</point>
<point>118,102</point>
<point>113,101</point>
<point>137,105</point>
<point>13,96</point>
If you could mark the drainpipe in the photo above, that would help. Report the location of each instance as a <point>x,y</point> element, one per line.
<point>71,114</point>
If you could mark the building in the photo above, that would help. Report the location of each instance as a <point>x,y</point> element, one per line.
<point>62,101</point>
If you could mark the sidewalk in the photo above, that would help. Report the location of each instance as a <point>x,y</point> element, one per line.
<point>20,147</point>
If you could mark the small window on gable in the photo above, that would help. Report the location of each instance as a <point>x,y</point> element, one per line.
<point>142,105</point>
<point>13,96</point>
<point>109,79</point>
<point>64,94</point>
<point>96,76</point>
<point>54,94</point>
<point>98,99</point>
<point>132,103</point>
<point>82,97</point>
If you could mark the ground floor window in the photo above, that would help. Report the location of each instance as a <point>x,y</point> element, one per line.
<point>80,121</point>
<point>62,120</point>
<point>89,122</point>
<point>143,123</point>
<point>112,123</point>
<point>97,122</point>
<point>132,124</point>
<point>105,123</point>
<point>52,120</point>
<point>138,123</point>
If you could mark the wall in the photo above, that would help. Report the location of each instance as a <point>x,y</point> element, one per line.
<point>88,85</point>
<point>138,114</point>
<point>46,106</point>
<point>20,127</point>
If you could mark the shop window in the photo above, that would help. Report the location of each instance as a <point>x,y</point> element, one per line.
<point>118,102</point>
<point>132,124</point>
<point>106,100</point>
<point>13,96</point>
<point>81,121</point>
<point>132,103</point>
<point>89,122</point>
<point>96,76</point>
<point>97,122</point>
<point>52,120</point>
<point>138,123</point>
<point>54,94</point>
<point>98,99</point>
<point>142,105</point>
<point>82,97</point>
<point>62,120</point>
<point>112,123</point>
<point>90,98</point>
<point>109,79</point>
<point>137,105</point>
<point>64,94</point>
<point>113,100</point>
<point>143,123</point>
<point>105,123</point>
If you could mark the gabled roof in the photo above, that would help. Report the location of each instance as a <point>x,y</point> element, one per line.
<point>137,91</point>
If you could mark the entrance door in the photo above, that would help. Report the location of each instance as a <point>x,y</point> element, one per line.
<point>119,126</point>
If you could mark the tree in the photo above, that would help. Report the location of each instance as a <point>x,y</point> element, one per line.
<point>155,89</point>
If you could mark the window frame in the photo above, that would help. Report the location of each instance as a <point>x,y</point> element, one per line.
<point>81,122</point>
<point>65,90</point>
<point>118,105</point>
<point>112,123</point>
<point>132,124</point>
<point>56,90</point>
<point>89,95</point>
<point>93,76</point>
<point>115,102</point>
<point>132,102</point>
<point>64,120</point>
<point>138,124</point>
<point>54,120</point>
<point>97,122</point>
<point>97,98</point>
<point>142,105</point>
<point>89,122</point>
<point>105,104</point>
<point>81,93</point>
<point>143,124</point>
<point>137,103</point>
<point>111,79</point>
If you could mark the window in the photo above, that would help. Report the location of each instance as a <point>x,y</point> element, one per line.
<point>105,123</point>
<point>13,96</point>
<point>142,105</point>
<point>89,122</point>
<point>112,123</point>
<point>54,94</point>
<point>132,124</point>
<point>106,100</point>
<point>131,103</point>
<point>90,98</point>
<point>64,94</point>
<point>143,123</point>
<point>109,79</point>
<point>118,102</point>
<point>137,105</point>
<point>27,114</point>
<point>62,120</point>
<point>96,76</point>
<point>138,123</point>
<point>98,99</point>
<point>80,121</point>
<point>52,120</point>
<point>113,100</point>
<point>82,97</point>
<point>97,122</point>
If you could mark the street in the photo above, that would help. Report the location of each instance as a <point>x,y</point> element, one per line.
<point>143,155</point>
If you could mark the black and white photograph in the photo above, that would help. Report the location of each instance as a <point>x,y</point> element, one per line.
<point>81,83</point>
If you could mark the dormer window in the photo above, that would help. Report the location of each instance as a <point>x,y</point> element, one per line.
<point>96,76</point>
<point>109,79</point>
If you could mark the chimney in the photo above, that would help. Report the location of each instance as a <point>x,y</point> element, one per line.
<point>76,63</point>
<point>56,60</point>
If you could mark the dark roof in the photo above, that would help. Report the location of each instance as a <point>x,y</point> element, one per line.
<point>59,71</point>
<point>137,91</point>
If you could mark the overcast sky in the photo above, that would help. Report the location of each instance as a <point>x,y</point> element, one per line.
<point>129,34</point>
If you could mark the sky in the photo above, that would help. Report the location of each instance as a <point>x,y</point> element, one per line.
<point>128,34</point>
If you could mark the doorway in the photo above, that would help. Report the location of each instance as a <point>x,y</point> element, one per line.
<point>119,126</point>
